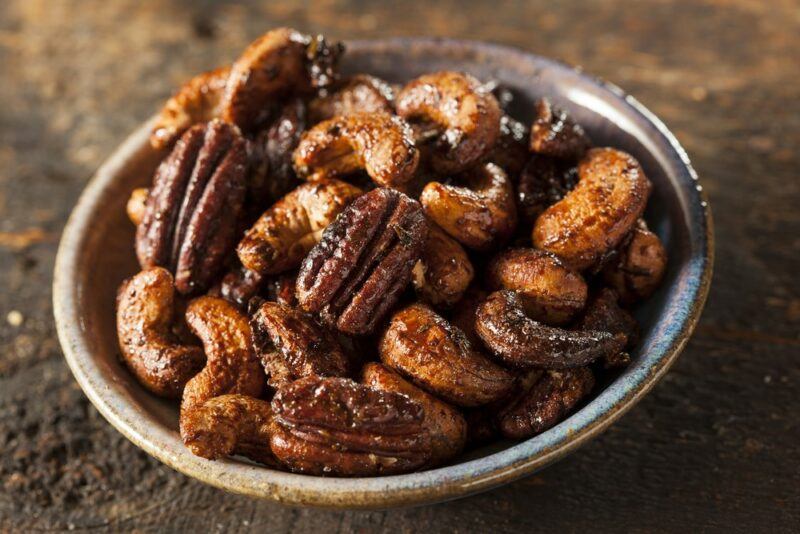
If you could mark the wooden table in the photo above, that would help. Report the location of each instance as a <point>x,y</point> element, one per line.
<point>715,447</point>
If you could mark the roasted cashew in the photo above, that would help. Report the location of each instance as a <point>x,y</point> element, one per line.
<point>150,349</point>
<point>444,272</point>
<point>592,219</point>
<point>465,111</point>
<point>481,215</point>
<point>638,270</point>
<point>378,143</point>
<point>284,234</point>
<point>550,291</point>
<point>360,93</point>
<point>519,341</point>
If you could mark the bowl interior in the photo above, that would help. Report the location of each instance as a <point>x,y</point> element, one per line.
<point>96,254</point>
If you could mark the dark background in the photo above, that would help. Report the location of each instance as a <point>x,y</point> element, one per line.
<point>716,445</point>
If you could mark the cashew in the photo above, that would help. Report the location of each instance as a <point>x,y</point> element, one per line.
<point>378,143</point>
<point>550,291</point>
<point>593,218</point>
<point>137,204</point>
<point>519,341</point>
<point>361,93</point>
<point>464,110</point>
<point>288,230</point>
<point>153,353</point>
<point>638,270</point>
<point>481,215</point>
<point>444,272</point>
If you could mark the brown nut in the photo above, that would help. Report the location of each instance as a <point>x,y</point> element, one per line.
<point>358,270</point>
<point>594,217</point>
<point>519,341</point>
<point>444,272</point>
<point>239,285</point>
<point>194,207</point>
<point>378,143</point>
<point>229,424</point>
<point>481,215</point>
<point>463,315</point>
<point>550,291</point>
<point>510,151</point>
<point>465,111</point>
<point>153,353</point>
<point>136,205</point>
<point>446,425</point>
<point>436,356</point>
<point>197,101</point>
<point>360,93</point>
<point>546,403</point>
<point>282,289</point>
<point>334,426</point>
<point>231,366</point>
<point>639,268</point>
<point>288,230</point>
<point>603,313</point>
<point>555,133</point>
<point>543,182</point>
<point>291,345</point>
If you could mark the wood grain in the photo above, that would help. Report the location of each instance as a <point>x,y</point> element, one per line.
<point>715,447</point>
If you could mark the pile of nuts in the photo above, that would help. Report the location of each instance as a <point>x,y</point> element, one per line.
<point>345,277</point>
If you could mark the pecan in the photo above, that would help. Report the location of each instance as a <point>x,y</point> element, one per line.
<point>639,266</point>
<point>356,273</point>
<point>334,426</point>
<point>291,345</point>
<point>555,133</point>
<point>240,285</point>
<point>192,213</point>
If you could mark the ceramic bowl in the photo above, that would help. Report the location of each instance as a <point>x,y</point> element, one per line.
<point>96,254</point>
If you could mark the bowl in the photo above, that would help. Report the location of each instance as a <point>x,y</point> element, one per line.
<point>96,254</point>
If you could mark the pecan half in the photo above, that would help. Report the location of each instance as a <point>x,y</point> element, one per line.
<point>291,345</point>
<point>192,213</point>
<point>356,273</point>
<point>334,426</point>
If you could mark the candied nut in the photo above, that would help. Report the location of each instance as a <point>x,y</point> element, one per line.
<point>446,425</point>
<point>271,67</point>
<point>463,315</point>
<point>229,424</point>
<point>543,182</point>
<point>193,210</point>
<point>334,426</point>
<point>444,271</point>
<point>231,366</point>
<point>137,204</point>
<point>239,285</point>
<point>546,403</point>
<point>481,215</point>
<point>378,143</point>
<point>550,291</point>
<point>360,93</point>
<point>510,151</point>
<point>356,273</point>
<point>282,290</point>
<point>639,268</point>
<point>593,218</point>
<point>196,101</point>
<point>291,345</point>
<point>519,341</point>
<point>153,353</point>
<point>466,113</point>
<point>288,230</point>
<point>603,313</point>
<point>555,133</point>
<point>323,58</point>
<point>436,356</point>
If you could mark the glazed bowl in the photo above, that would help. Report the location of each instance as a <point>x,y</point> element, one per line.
<point>96,254</point>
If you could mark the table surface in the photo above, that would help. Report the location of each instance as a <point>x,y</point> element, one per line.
<point>715,446</point>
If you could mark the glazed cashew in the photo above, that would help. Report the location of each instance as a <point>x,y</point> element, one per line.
<point>287,231</point>
<point>137,204</point>
<point>638,270</point>
<point>592,219</point>
<point>231,366</point>
<point>150,349</point>
<point>446,425</point>
<point>444,272</point>
<point>436,356</point>
<point>519,341</point>
<point>480,215</point>
<point>464,110</point>
<point>378,143</point>
<point>360,93</point>
<point>550,291</point>
<point>229,424</point>
<point>198,100</point>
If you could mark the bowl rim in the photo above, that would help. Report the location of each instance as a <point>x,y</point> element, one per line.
<point>444,483</point>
